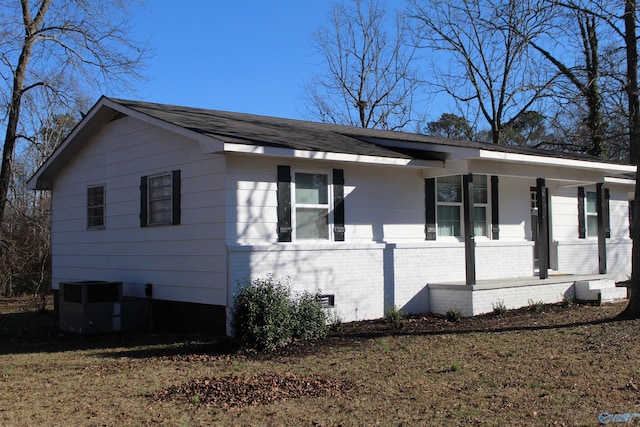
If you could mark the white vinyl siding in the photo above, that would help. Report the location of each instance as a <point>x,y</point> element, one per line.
<point>186,263</point>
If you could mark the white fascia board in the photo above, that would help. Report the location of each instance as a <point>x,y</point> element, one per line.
<point>554,161</point>
<point>82,126</point>
<point>322,155</point>
<point>623,181</point>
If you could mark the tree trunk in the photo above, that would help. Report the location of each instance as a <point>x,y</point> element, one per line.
<point>19,75</point>
<point>633,308</point>
<point>594,101</point>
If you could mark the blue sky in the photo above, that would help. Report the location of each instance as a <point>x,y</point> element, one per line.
<point>248,56</point>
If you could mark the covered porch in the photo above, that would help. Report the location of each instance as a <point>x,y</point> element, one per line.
<point>559,207</point>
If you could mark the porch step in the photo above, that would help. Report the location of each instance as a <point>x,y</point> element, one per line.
<point>603,290</point>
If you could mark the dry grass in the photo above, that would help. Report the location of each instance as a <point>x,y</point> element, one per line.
<point>561,366</point>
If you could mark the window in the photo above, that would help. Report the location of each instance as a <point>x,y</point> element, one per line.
<point>95,207</point>
<point>160,199</point>
<point>317,204</point>
<point>591,212</point>
<point>449,205</point>
<point>311,206</point>
<point>480,202</point>
<point>588,212</point>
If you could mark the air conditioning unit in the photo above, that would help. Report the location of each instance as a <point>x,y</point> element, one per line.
<point>91,307</point>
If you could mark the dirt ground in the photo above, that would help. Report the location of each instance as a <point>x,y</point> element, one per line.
<point>552,365</point>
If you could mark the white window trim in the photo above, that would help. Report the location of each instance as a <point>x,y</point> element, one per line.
<point>329,174</point>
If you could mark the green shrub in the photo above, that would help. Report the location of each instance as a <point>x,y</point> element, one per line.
<point>266,317</point>
<point>262,317</point>
<point>395,316</point>
<point>309,317</point>
<point>453,315</point>
<point>567,302</point>
<point>499,308</point>
<point>455,366</point>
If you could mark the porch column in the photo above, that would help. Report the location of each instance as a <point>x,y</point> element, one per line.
<point>469,238</point>
<point>601,208</point>
<point>543,232</point>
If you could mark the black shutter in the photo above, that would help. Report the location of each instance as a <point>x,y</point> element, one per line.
<point>430,208</point>
<point>338,205</point>
<point>284,203</point>
<point>582,231</point>
<point>143,202</point>
<point>175,197</point>
<point>607,217</point>
<point>495,216</point>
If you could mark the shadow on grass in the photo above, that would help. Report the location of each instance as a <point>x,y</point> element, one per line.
<point>38,332</point>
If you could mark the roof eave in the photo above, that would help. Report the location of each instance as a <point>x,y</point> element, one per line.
<point>613,168</point>
<point>327,155</point>
<point>103,111</point>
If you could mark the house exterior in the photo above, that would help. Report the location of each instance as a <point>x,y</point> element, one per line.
<point>188,203</point>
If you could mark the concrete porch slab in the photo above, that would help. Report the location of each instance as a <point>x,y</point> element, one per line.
<point>519,292</point>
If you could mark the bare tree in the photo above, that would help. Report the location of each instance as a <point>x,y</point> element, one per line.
<point>585,78</point>
<point>484,58</point>
<point>59,48</point>
<point>622,17</point>
<point>370,79</point>
<point>25,240</point>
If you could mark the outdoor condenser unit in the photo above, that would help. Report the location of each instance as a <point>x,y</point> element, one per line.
<point>90,306</point>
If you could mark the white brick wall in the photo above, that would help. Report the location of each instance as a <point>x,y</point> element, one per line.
<point>581,257</point>
<point>354,273</point>
<point>479,299</point>
<point>619,259</point>
<point>366,278</point>
<point>484,300</point>
<point>458,297</point>
<point>499,260</point>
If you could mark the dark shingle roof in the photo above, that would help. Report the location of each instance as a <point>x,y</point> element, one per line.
<point>251,129</point>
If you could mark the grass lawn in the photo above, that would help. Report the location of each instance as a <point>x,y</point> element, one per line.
<point>557,366</point>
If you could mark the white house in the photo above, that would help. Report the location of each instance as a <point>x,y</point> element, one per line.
<point>192,202</point>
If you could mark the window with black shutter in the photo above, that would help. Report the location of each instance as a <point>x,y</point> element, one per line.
<point>160,199</point>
